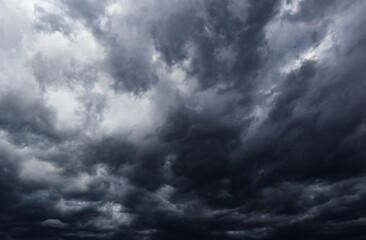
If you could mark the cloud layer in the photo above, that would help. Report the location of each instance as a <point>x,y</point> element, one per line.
<point>188,119</point>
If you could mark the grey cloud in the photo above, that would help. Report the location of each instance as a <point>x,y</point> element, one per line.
<point>50,22</point>
<point>128,61</point>
<point>23,114</point>
<point>199,34</point>
<point>69,72</point>
<point>54,223</point>
<point>192,120</point>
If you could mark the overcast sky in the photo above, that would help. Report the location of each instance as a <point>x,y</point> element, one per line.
<point>182,119</point>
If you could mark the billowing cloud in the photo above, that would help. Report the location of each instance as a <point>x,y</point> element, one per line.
<point>217,119</point>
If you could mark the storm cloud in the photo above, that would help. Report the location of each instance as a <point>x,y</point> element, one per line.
<point>217,119</point>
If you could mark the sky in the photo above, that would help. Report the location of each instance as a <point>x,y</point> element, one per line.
<point>182,120</point>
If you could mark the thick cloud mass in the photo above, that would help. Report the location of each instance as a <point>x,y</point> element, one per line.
<point>217,119</point>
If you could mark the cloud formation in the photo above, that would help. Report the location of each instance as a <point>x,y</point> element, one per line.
<point>217,119</point>
<point>54,223</point>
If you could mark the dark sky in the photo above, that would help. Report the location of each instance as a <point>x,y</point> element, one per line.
<point>183,119</point>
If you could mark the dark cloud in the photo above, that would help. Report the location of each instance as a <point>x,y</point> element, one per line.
<point>23,115</point>
<point>183,120</point>
<point>216,41</point>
